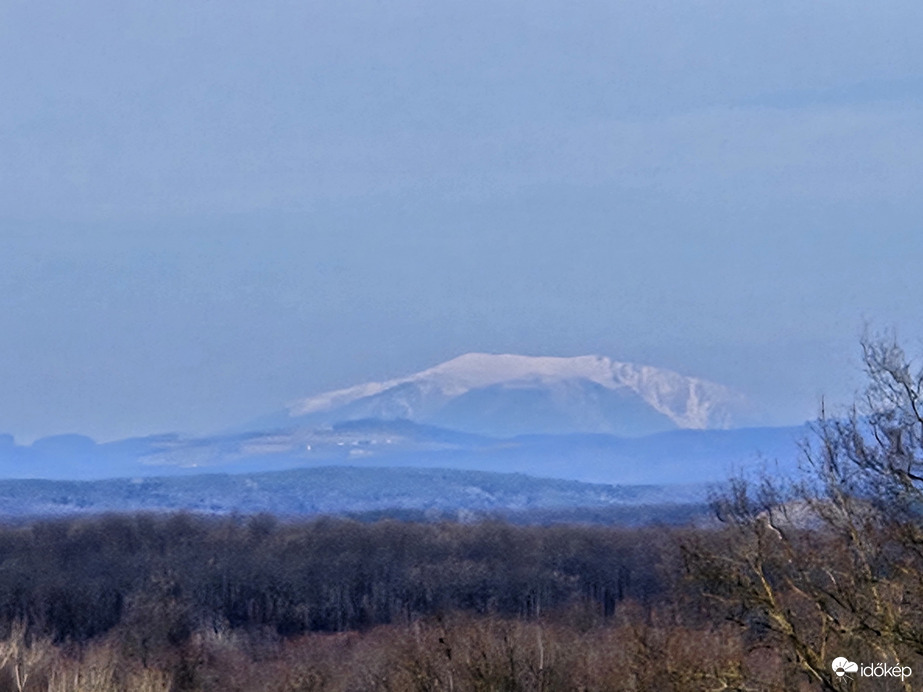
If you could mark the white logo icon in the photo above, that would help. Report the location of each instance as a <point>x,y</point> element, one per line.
<point>842,665</point>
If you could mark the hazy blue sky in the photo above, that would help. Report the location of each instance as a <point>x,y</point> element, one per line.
<point>211,208</point>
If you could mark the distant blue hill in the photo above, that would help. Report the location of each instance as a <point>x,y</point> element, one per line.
<point>673,457</point>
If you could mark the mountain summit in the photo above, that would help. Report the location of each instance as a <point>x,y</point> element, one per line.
<point>514,394</point>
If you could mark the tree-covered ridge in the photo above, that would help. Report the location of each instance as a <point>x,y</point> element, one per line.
<point>333,490</point>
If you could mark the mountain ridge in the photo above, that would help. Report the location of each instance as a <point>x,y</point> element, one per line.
<point>581,393</point>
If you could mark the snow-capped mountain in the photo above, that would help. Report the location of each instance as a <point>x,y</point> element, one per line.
<point>513,394</point>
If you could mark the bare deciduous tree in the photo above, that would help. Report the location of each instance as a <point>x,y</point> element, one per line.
<point>831,564</point>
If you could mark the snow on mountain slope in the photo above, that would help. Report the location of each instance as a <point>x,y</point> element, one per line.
<point>527,394</point>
